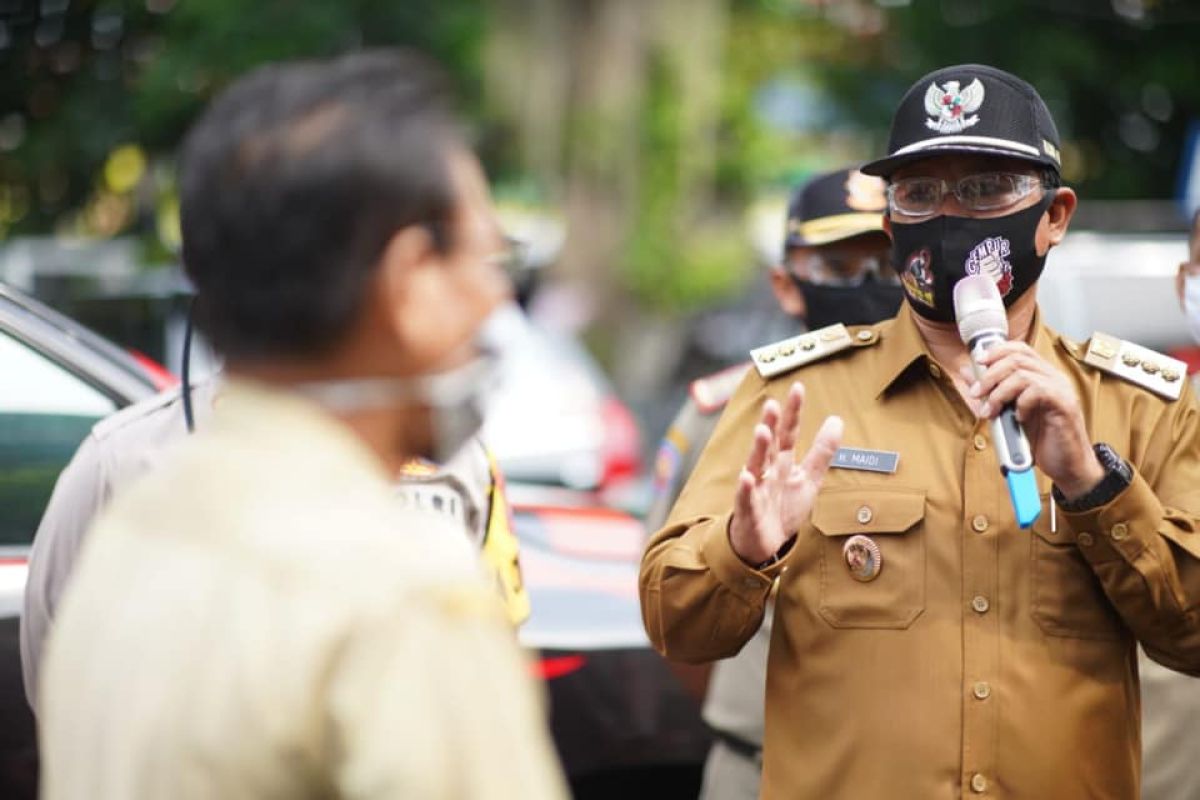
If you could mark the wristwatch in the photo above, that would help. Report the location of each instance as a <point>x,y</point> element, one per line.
<point>778,555</point>
<point>1117,477</point>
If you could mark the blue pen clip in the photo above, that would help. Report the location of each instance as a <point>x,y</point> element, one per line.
<point>1022,488</point>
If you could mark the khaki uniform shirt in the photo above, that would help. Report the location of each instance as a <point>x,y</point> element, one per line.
<point>135,440</point>
<point>734,701</point>
<point>983,660</point>
<point>261,618</point>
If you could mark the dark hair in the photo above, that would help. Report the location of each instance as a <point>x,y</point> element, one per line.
<point>293,182</point>
<point>1050,177</point>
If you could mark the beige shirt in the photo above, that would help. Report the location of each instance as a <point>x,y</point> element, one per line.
<point>258,618</point>
<point>126,445</point>
<point>983,660</point>
<point>733,703</point>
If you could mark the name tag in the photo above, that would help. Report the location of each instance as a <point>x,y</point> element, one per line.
<point>867,460</point>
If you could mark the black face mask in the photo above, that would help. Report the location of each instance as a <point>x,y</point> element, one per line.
<point>931,256</point>
<point>866,304</point>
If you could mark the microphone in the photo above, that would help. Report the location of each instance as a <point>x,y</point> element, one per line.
<point>982,324</point>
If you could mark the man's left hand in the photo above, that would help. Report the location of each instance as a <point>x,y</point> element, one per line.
<point>1047,408</point>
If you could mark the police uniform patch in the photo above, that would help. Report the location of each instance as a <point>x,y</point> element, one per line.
<point>418,468</point>
<point>667,461</point>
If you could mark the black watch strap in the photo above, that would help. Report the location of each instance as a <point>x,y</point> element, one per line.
<point>778,555</point>
<point>1117,477</point>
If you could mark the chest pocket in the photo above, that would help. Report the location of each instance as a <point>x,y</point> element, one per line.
<point>892,519</point>
<point>1067,598</point>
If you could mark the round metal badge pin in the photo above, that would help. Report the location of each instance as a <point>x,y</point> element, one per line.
<point>863,558</point>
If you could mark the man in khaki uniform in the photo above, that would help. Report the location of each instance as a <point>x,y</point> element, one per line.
<point>835,270</point>
<point>924,646</point>
<point>259,616</point>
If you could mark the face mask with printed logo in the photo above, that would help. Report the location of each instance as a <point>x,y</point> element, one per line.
<point>931,256</point>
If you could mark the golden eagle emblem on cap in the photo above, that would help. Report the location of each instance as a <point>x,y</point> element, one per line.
<point>865,192</point>
<point>950,107</point>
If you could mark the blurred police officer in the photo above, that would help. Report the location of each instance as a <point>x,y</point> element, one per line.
<point>258,617</point>
<point>835,270</point>
<point>923,645</point>
<point>1171,701</point>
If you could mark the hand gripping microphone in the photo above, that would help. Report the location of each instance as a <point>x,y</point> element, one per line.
<point>982,324</point>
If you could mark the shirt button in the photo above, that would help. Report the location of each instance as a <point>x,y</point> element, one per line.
<point>980,523</point>
<point>980,442</point>
<point>865,514</point>
<point>980,604</point>
<point>978,783</point>
<point>865,336</point>
<point>935,370</point>
<point>1084,539</point>
<point>982,690</point>
<point>1120,532</point>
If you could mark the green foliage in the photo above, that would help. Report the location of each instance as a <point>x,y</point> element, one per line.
<point>1122,90</point>
<point>105,73</point>
<point>686,251</point>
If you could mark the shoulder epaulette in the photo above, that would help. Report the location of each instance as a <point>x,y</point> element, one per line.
<point>139,410</point>
<point>712,392</point>
<point>784,356</point>
<point>1160,374</point>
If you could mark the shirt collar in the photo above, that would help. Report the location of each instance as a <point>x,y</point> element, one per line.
<point>288,422</point>
<point>904,348</point>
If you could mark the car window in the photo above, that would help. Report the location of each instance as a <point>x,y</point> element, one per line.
<point>45,411</point>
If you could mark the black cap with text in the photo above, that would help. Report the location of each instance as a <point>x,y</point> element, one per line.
<point>970,108</point>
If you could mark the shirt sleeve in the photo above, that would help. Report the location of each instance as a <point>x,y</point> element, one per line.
<point>700,601</point>
<point>81,490</point>
<point>438,701</point>
<point>676,459</point>
<point>1144,545</point>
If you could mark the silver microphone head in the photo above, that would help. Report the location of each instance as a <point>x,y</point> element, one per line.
<point>978,307</point>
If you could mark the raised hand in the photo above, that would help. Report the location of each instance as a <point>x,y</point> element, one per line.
<point>775,494</point>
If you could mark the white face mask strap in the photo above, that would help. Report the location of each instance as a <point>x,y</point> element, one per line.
<point>442,389</point>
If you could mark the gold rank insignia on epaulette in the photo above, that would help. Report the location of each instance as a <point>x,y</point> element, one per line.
<point>1160,374</point>
<point>780,357</point>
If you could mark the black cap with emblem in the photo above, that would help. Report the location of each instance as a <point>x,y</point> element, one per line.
<point>833,207</point>
<point>970,108</point>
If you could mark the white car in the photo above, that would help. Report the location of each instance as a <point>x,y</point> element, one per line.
<point>1121,284</point>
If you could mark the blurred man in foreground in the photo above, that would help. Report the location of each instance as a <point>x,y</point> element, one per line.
<point>835,270</point>
<point>468,489</point>
<point>257,618</point>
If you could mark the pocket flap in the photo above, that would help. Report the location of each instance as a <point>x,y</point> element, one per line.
<point>863,509</point>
